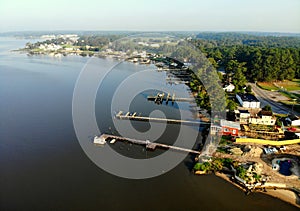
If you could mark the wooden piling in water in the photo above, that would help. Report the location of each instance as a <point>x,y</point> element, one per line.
<point>167,100</point>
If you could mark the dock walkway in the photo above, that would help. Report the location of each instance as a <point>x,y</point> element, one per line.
<point>133,116</point>
<point>148,144</point>
<point>160,97</point>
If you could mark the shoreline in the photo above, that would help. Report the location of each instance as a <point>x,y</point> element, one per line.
<point>284,195</point>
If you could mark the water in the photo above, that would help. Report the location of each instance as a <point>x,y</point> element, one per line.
<point>42,165</point>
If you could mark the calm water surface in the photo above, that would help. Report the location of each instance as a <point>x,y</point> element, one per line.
<point>42,166</point>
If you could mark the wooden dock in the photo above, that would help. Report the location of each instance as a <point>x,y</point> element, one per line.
<point>129,116</point>
<point>160,97</point>
<point>148,144</point>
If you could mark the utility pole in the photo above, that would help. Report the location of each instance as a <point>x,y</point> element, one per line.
<point>294,100</point>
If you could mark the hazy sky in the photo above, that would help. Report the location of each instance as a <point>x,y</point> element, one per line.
<point>200,15</point>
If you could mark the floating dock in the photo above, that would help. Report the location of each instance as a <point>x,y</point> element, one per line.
<point>129,116</point>
<point>147,143</point>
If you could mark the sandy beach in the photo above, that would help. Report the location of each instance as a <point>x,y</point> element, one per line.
<point>284,195</point>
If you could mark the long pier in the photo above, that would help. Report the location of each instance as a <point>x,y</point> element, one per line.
<point>134,116</point>
<point>148,144</point>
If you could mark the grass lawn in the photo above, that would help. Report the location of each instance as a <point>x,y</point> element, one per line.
<point>290,95</point>
<point>267,86</point>
<point>288,85</point>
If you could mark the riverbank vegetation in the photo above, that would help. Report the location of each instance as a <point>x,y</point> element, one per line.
<point>216,164</point>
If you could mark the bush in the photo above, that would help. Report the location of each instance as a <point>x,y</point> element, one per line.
<point>241,172</point>
<point>203,167</point>
<point>197,167</point>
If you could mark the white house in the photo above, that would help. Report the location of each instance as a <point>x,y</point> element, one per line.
<point>263,118</point>
<point>248,100</point>
<point>242,116</point>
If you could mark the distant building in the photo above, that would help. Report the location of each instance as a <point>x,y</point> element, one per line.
<point>155,45</point>
<point>248,100</point>
<point>229,127</point>
<point>229,87</point>
<point>143,43</point>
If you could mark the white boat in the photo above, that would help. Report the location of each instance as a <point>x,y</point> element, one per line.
<point>112,141</point>
<point>99,140</point>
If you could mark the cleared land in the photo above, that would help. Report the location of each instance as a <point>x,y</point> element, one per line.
<point>286,85</point>
<point>290,90</point>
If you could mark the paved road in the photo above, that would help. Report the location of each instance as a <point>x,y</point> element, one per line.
<point>264,97</point>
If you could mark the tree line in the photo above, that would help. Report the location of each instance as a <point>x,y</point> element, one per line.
<point>254,58</point>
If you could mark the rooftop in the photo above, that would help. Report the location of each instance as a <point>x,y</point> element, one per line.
<point>266,113</point>
<point>244,111</point>
<point>248,97</point>
<point>231,124</point>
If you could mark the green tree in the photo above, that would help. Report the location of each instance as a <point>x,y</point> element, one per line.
<point>239,79</point>
<point>248,89</point>
<point>217,164</point>
<point>213,62</point>
<point>231,105</point>
<point>267,108</point>
<point>227,162</point>
<point>257,177</point>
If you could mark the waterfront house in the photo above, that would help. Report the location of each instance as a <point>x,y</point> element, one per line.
<point>242,116</point>
<point>248,100</point>
<point>230,128</point>
<point>263,118</point>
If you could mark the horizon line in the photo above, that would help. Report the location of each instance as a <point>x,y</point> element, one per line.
<point>132,30</point>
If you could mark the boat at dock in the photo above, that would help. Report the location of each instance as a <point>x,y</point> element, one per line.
<point>113,141</point>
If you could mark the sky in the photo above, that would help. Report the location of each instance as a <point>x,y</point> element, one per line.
<point>151,15</point>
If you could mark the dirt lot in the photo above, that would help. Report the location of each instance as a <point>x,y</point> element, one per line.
<point>256,155</point>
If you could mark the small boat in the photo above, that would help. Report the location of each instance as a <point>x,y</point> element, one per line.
<point>112,141</point>
<point>99,140</point>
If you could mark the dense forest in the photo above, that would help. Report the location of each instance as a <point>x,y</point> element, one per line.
<point>256,58</point>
